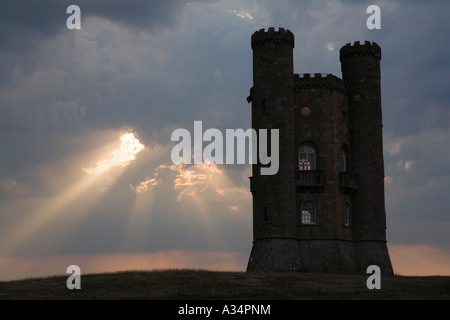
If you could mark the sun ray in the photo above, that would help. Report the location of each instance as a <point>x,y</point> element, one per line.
<point>195,184</point>
<point>140,216</point>
<point>54,210</point>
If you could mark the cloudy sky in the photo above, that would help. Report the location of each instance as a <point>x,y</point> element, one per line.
<point>86,118</point>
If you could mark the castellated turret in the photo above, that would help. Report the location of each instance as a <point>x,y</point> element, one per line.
<point>324,209</point>
<point>275,246</point>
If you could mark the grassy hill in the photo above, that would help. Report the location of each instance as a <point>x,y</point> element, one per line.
<point>206,285</point>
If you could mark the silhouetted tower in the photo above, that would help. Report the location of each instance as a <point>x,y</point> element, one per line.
<point>324,209</point>
<point>274,219</point>
<point>360,65</point>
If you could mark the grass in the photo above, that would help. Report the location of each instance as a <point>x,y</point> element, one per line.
<point>205,285</point>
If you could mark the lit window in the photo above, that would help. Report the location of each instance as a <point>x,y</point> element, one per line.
<point>307,158</point>
<point>347,215</point>
<point>343,160</point>
<point>308,213</point>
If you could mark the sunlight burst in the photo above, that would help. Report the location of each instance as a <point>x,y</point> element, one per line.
<point>55,209</point>
<point>129,147</point>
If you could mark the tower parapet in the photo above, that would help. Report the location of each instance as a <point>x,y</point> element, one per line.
<point>318,81</point>
<point>271,36</point>
<point>358,49</point>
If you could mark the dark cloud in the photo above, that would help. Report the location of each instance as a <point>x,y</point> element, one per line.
<point>154,66</point>
<point>27,21</point>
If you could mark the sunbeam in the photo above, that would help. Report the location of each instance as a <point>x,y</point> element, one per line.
<point>140,217</point>
<point>56,212</point>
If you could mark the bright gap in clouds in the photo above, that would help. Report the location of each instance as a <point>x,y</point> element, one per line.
<point>129,147</point>
<point>53,210</point>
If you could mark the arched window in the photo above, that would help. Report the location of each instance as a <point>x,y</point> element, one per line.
<point>343,160</point>
<point>307,158</point>
<point>347,215</point>
<point>308,213</point>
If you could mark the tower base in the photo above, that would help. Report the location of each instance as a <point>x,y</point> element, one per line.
<point>328,256</point>
<point>272,255</point>
<point>373,253</point>
<point>321,256</point>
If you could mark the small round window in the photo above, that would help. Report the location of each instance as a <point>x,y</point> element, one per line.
<point>306,111</point>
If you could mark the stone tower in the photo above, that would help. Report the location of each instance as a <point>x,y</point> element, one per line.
<point>324,209</point>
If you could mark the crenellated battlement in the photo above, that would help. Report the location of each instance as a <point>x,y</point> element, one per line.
<point>282,36</point>
<point>358,49</point>
<point>318,81</point>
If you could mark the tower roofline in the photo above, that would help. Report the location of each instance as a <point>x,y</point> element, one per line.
<point>281,36</point>
<point>358,49</point>
<point>318,80</point>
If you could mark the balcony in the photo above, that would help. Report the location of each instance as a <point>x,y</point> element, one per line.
<point>309,180</point>
<point>348,182</point>
<point>252,185</point>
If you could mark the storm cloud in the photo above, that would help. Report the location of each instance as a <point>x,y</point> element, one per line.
<point>149,67</point>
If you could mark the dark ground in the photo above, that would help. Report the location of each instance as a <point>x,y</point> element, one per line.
<point>210,285</point>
